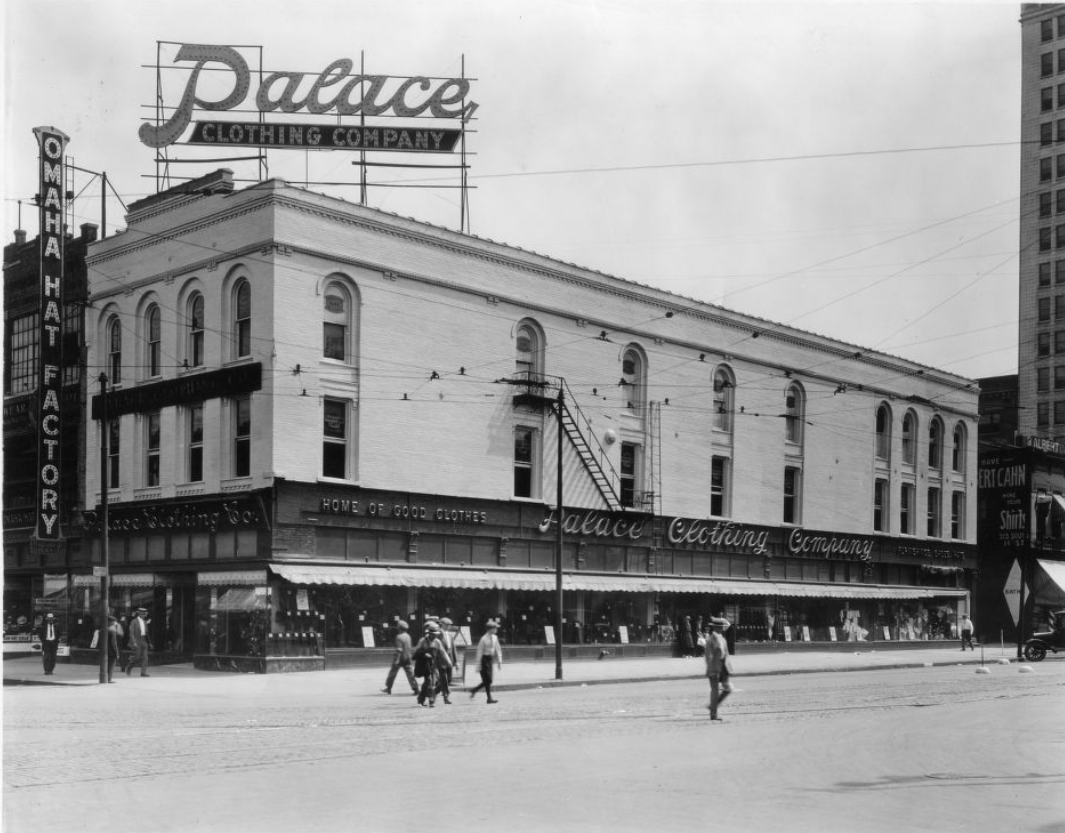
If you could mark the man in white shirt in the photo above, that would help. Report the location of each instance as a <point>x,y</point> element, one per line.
<point>138,642</point>
<point>489,653</point>
<point>966,628</point>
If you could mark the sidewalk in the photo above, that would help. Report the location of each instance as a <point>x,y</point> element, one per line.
<point>541,673</point>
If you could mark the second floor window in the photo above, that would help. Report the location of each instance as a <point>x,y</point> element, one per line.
<point>934,529</point>
<point>957,515</point>
<point>525,462</point>
<point>242,436</point>
<point>906,509</point>
<point>629,471</point>
<point>195,443</point>
<point>719,487</point>
<point>114,449</point>
<point>880,505</point>
<point>21,371</point>
<point>152,437</point>
<point>792,495</point>
<point>335,439</point>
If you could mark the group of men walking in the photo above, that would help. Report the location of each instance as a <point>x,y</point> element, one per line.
<point>139,643</point>
<point>434,659</point>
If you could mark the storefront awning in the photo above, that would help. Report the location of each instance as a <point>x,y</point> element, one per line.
<point>1050,587</point>
<point>123,580</point>
<point>254,578</point>
<point>476,579</point>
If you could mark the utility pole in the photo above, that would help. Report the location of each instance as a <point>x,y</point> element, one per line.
<point>105,602</point>
<point>558,544</point>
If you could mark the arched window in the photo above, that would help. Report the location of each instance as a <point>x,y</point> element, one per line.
<point>633,375</point>
<point>794,414</point>
<point>957,458</point>
<point>194,345</point>
<point>242,320</point>
<point>935,444</point>
<point>909,438</point>
<point>153,336</point>
<point>529,355</point>
<point>114,349</point>
<point>723,388</point>
<point>336,323</point>
<point>883,433</point>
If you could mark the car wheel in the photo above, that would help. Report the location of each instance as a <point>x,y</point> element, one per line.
<point>1034,652</point>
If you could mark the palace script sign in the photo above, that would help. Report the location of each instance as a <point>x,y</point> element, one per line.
<point>336,89</point>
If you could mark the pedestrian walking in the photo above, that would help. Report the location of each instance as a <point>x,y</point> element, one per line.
<point>402,658</point>
<point>432,661</point>
<point>489,654</point>
<point>447,639</point>
<point>139,644</point>
<point>718,665</point>
<point>687,641</point>
<point>966,626</point>
<point>49,634</point>
<point>111,635</point>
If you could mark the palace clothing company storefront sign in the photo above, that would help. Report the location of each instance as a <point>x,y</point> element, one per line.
<point>335,89</point>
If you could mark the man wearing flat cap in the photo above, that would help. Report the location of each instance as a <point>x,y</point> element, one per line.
<point>717,664</point>
<point>489,653</point>
<point>139,644</point>
<point>401,658</point>
<point>49,634</point>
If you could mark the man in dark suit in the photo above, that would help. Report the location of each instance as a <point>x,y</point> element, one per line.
<point>49,634</point>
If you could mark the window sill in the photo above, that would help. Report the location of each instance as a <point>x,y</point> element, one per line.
<point>190,490</point>
<point>338,481</point>
<point>148,493</point>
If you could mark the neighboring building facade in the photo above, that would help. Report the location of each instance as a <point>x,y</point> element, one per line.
<point>323,418</point>
<point>1021,519</point>
<point>37,574</point>
<point>1041,353</point>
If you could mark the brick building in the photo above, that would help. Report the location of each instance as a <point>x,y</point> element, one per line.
<point>323,418</point>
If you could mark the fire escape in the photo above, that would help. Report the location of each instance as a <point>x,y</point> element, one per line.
<point>539,391</point>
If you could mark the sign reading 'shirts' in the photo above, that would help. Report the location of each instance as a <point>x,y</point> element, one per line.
<point>52,146</point>
<point>336,89</point>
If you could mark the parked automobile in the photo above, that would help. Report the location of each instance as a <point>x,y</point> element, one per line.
<point>1035,649</point>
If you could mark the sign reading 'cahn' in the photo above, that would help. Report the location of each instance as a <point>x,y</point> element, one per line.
<point>52,144</point>
<point>335,89</point>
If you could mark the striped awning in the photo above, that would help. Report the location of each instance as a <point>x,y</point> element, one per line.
<point>254,578</point>
<point>482,579</point>
<point>124,580</point>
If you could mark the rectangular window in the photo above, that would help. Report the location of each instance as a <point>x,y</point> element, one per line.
<point>1042,379</point>
<point>1044,274</point>
<point>1046,133</point>
<point>195,443</point>
<point>1046,99</point>
<point>152,436</point>
<point>334,337</point>
<point>114,449</point>
<point>1059,412</point>
<point>1059,271</point>
<point>1043,344</point>
<point>957,515</point>
<point>1059,236</point>
<point>1059,341</point>
<point>719,487</point>
<point>1046,169</point>
<point>1044,239</point>
<point>934,530</point>
<point>524,462</point>
<point>1061,25</point>
<point>242,436</point>
<point>1043,308</point>
<point>629,465</point>
<point>1046,30</point>
<point>880,505</point>
<point>21,373</point>
<point>1059,377</point>
<point>1046,204</point>
<point>906,509</point>
<point>1042,414</point>
<point>1061,61</point>
<point>792,495</point>
<point>335,439</point>
<point>1046,64</point>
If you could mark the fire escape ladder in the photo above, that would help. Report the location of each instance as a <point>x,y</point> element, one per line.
<point>590,452</point>
<point>653,500</point>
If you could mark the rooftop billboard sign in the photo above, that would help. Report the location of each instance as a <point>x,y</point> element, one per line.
<point>338,89</point>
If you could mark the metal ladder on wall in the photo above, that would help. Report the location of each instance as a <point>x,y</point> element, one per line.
<point>578,429</point>
<point>653,498</point>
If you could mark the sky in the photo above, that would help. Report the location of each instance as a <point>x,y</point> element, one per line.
<point>847,168</point>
